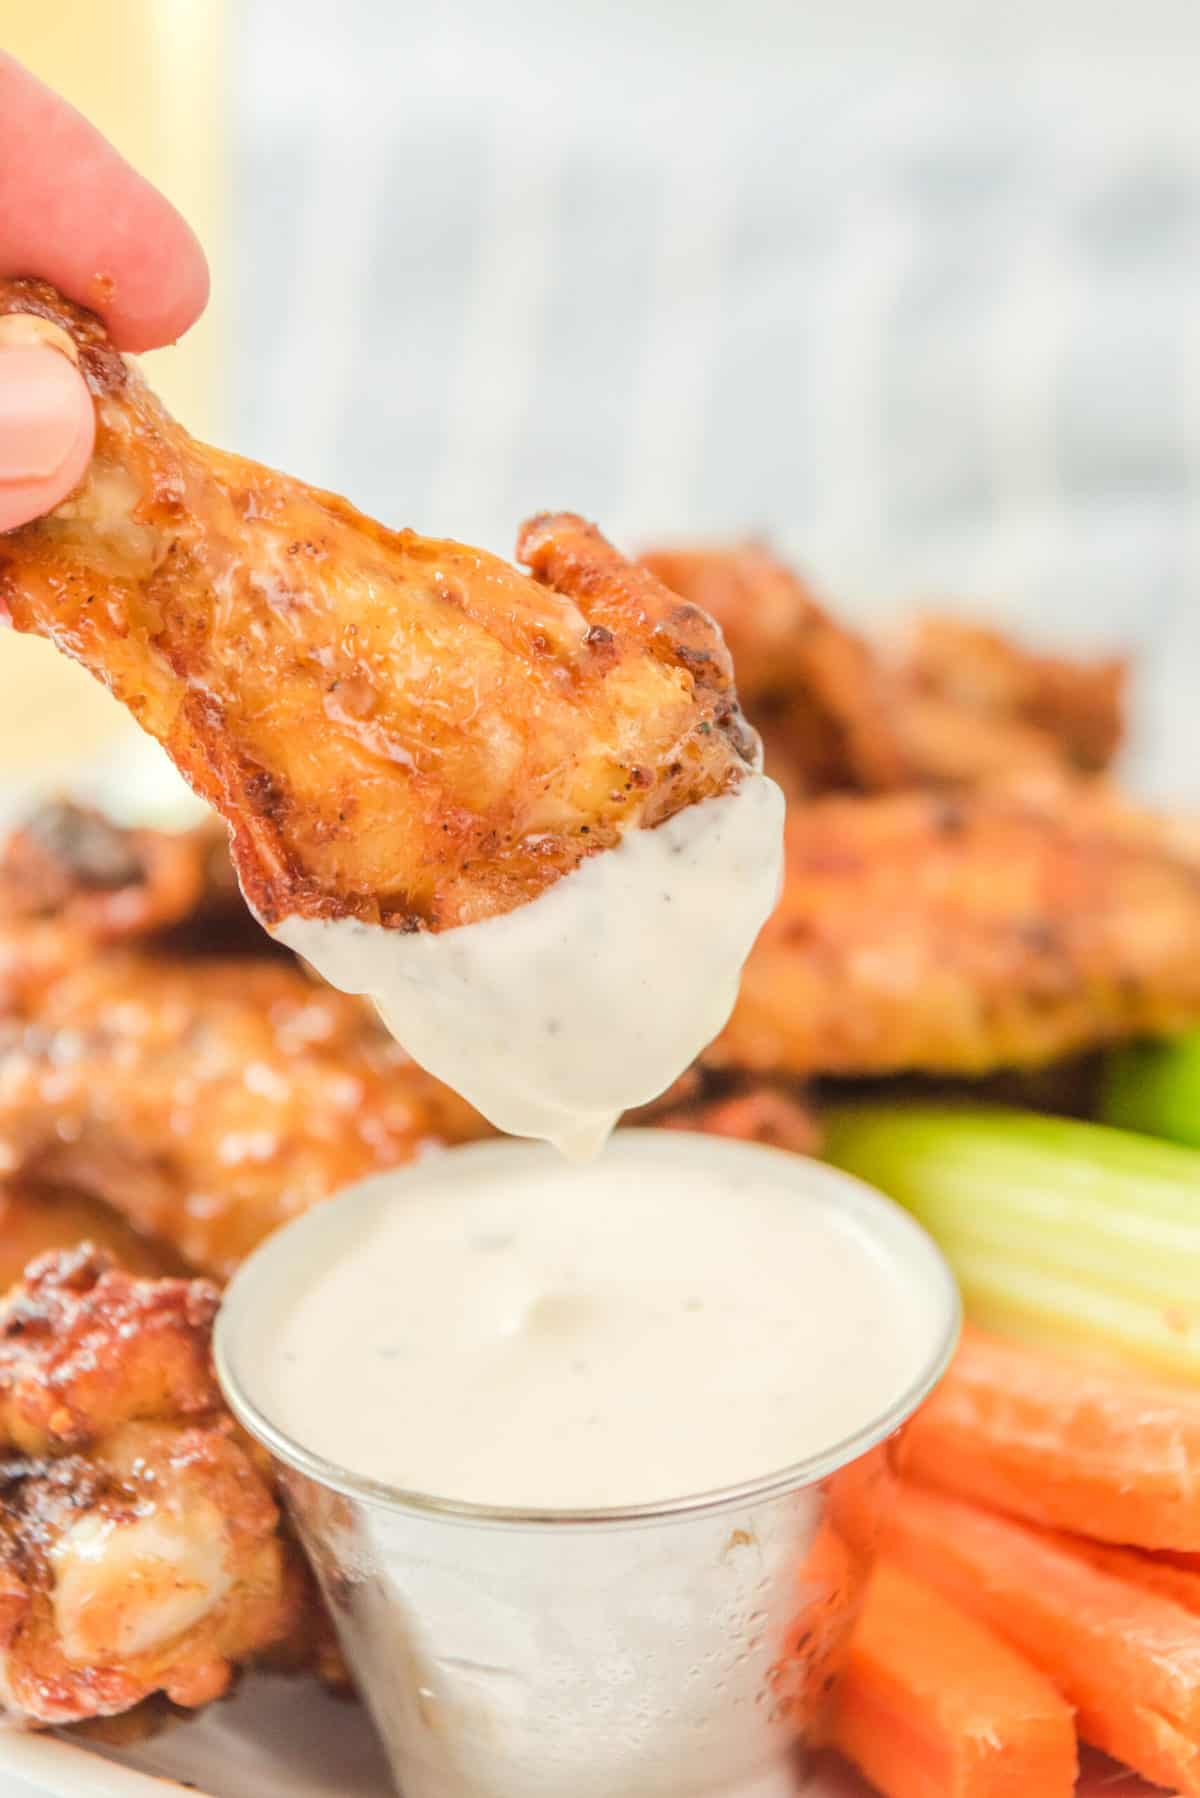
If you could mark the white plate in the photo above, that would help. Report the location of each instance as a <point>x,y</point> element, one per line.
<point>280,1738</point>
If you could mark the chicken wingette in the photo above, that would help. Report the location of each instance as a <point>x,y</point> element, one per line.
<point>399,730</point>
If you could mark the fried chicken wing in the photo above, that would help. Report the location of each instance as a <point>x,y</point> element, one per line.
<point>763,1111</point>
<point>37,1218</point>
<point>71,883</point>
<point>1079,705</point>
<point>959,706</point>
<point>721,1102</point>
<point>395,729</point>
<point>962,934</point>
<point>141,1548</point>
<point>208,1100</point>
<point>815,690</point>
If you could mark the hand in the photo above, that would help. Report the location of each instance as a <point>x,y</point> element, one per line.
<point>73,212</point>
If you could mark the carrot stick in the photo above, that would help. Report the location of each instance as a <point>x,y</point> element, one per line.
<point>1127,1658</point>
<point>1095,1450</point>
<point>933,1705</point>
<point>1168,1575</point>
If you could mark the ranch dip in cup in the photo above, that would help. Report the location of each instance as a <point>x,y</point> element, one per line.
<point>588,1458</point>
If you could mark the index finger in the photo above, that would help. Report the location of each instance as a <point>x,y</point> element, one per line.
<point>73,211</point>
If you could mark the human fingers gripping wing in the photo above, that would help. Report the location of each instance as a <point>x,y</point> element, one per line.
<point>406,736</point>
<point>73,209</point>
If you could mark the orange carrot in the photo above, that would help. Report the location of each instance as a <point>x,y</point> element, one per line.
<point>933,1705</point>
<point>1168,1575</point>
<point>1126,1657</point>
<point>1095,1450</point>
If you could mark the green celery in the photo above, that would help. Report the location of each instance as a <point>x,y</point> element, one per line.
<point>1058,1231</point>
<point>1155,1087</point>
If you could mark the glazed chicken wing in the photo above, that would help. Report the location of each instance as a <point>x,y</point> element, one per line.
<point>209,1100</point>
<point>395,729</point>
<point>141,1548</point>
<point>962,934</point>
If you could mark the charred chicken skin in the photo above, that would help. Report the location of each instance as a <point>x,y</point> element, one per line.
<point>395,729</point>
<point>141,1548</point>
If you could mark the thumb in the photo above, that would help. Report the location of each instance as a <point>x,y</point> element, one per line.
<point>47,429</point>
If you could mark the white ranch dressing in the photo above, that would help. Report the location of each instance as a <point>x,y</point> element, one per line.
<point>555,1018</point>
<point>517,1331</point>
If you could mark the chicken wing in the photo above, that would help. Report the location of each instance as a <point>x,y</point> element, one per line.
<point>765,1111</point>
<point>962,934</point>
<point>209,1100</point>
<point>825,708</point>
<point>36,1218</point>
<point>395,729</point>
<point>72,883</point>
<point>141,1549</point>
<point>959,706</point>
<point>1078,704</point>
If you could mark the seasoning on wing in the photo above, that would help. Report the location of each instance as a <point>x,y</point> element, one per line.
<point>962,934</point>
<point>141,1548</point>
<point>209,1100</point>
<point>71,883</point>
<point>396,729</point>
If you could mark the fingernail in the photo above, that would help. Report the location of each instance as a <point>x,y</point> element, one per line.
<point>45,413</point>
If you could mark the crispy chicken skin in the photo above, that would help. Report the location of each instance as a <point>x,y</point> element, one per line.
<point>402,730</point>
<point>209,1100</point>
<point>962,934</point>
<point>957,706</point>
<point>72,883</point>
<point>141,1548</point>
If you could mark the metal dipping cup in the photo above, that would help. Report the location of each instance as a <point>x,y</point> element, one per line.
<point>683,1649</point>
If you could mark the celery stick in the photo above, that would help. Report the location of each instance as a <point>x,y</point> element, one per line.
<point>1155,1087</point>
<point>1059,1231</point>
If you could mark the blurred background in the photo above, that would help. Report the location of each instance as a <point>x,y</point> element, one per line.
<point>910,287</point>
